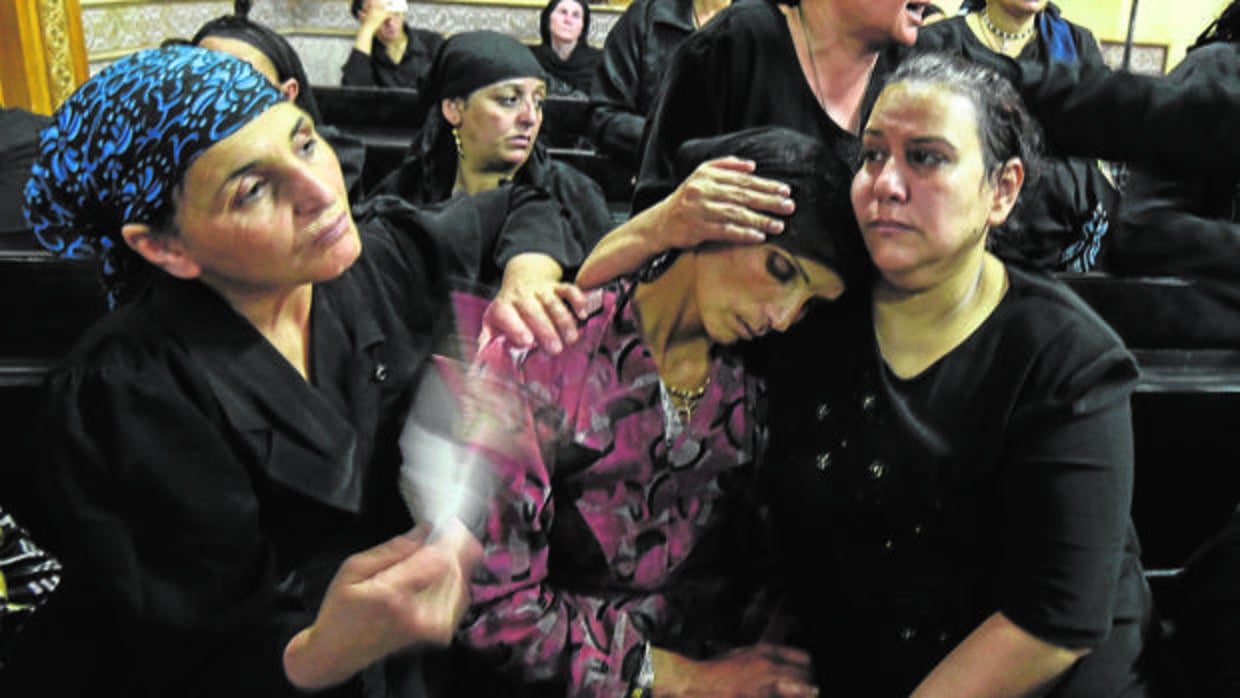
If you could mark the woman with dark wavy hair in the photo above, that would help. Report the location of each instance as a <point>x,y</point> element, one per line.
<point>956,441</point>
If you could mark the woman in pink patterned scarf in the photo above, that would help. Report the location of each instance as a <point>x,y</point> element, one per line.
<point>613,550</point>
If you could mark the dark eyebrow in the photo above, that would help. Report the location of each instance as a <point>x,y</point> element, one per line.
<point>297,127</point>
<point>934,140</point>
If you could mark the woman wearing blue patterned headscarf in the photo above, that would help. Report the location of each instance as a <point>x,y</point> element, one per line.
<point>220,446</point>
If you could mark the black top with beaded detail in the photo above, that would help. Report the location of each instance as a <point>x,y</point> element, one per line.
<point>999,479</point>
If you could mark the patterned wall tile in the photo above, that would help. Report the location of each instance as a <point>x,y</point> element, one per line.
<point>320,30</point>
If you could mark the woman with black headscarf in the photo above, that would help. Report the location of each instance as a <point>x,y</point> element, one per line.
<point>620,556</point>
<point>565,52</point>
<point>481,128</point>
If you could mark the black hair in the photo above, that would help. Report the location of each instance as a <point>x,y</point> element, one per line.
<point>271,44</point>
<point>544,20</point>
<point>1005,127</point>
<point>1225,27</point>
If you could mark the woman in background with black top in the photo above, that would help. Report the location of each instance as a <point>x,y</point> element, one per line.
<point>271,54</point>
<point>481,129</point>
<point>565,52</point>
<point>1063,223</point>
<point>387,52</point>
<point>812,67</point>
<point>636,57</point>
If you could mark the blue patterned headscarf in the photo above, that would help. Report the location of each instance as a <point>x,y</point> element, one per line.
<point>121,144</point>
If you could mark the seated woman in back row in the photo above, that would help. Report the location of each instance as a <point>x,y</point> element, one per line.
<point>484,113</point>
<point>626,463</point>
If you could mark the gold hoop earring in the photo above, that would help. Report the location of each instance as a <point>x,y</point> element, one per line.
<point>456,136</point>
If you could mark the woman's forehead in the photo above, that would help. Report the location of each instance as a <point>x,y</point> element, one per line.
<point>530,84</point>
<point>249,144</point>
<point>933,105</point>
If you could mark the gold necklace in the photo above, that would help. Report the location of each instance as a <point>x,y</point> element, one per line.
<point>809,49</point>
<point>1004,36</point>
<point>683,400</point>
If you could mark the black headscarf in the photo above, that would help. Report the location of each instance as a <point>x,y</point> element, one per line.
<point>464,63</point>
<point>476,59</point>
<point>544,21</point>
<point>578,69</point>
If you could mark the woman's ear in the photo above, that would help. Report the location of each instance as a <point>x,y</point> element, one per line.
<point>162,250</point>
<point>291,88</point>
<point>452,109</point>
<point>1007,186</point>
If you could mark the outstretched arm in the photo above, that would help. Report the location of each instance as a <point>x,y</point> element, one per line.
<point>720,201</point>
<point>534,306</point>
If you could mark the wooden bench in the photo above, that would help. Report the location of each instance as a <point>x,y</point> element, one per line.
<point>1185,411</point>
<point>1187,404</point>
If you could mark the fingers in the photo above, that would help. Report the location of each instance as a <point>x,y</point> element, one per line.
<point>368,563</point>
<point>576,299</point>
<point>785,688</point>
<point>721,201</point>
<point>546,315</point>
<point>785,655</point>
<point>502,319</point>
<point>752,194</point>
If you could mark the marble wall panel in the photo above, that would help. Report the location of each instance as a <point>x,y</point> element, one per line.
<point>320,30</point>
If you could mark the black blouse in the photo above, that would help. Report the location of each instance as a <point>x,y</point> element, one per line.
<point>478,235</point>
<point>203,493</point>
<point>379,70</point>
<point>998,479</point>
<point>739,71</point>
<point>634,65</point>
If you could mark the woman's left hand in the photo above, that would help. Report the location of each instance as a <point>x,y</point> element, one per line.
<point>534,306</point>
